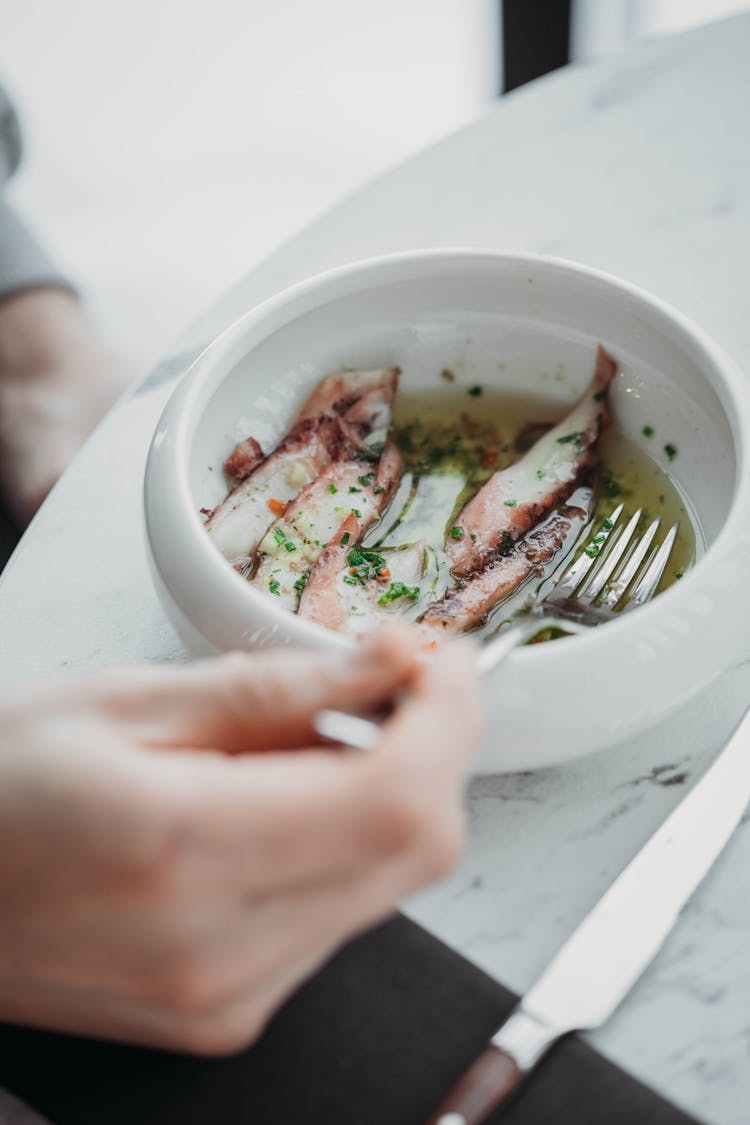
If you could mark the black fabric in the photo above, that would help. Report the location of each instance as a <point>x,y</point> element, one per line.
<point>536,39</point>
<point>375,1039</point>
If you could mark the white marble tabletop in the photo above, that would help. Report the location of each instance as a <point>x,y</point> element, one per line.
<point>640,166</point>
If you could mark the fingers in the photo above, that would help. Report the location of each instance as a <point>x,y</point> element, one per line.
<point>278,821</point>
<point>260,701</point>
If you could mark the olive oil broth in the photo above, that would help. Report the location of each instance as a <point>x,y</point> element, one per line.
<point>455,438</point>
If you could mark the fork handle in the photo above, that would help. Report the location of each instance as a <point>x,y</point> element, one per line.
<point>361,733</point>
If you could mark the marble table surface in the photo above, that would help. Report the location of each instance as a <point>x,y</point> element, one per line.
<point>640,166</point>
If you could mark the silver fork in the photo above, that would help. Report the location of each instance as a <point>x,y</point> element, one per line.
<point>616,572</point>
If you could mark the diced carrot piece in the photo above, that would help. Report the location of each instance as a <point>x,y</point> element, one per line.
<point>278,507</point>
<point>430,647</point>
<point>384,573</point>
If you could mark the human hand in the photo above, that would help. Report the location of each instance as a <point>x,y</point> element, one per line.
<point>172,865</point>
<point>56,382</point>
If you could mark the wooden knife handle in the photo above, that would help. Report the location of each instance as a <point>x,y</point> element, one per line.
<point>484,1087</point>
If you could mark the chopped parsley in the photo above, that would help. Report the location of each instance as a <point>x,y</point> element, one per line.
<point>332,488</point>
<point>648,431</point>
<point>457,533</point>
<point>352,488</point>
<point>301,582</point>
<point>510,503</point>
<point>378,489</point>
<point>540,474</point>
<point>356,512</point>
<point>607,525</point>
<point>366,480</point>
<point>398,590</point>
<point>364,564</point>
<point>274,587</point>
<point>670,450</point>
<point>474,391</point>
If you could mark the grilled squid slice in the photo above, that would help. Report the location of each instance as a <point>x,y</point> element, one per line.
<point>353,588</point>
<point>352,407</point>
<point>517,498</point>
<point>468,604</point>
<point>295,541</point>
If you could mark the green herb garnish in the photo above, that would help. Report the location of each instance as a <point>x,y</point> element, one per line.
<point>457,533</point>
<point>274,587</point>
<point>366,480</point>
<point>510,503</point>
<point>648,431</point>
<point>301,582</point>
<point>474,391</point>
<point>568,438</point>
<point>600,396</point>
<point>289,546</point>
<point>398,590</point>
<point>345,538</point>
<point>356,512</point>
<point>332,488</point>
<point>378,489</point>
<point>279,535</point>
<point>670,450</point>
<point>353,489</point>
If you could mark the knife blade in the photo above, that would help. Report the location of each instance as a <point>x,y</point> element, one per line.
<point>604,957</point>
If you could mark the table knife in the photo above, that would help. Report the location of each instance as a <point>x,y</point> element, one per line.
<point>605,956</point>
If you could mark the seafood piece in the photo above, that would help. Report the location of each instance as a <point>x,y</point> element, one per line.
<point>352,405</point>
<point>336,393</point>
<point>243,460</point>
<point>351,588</point>
<point>517,498</point>
<point>294,542</point>
<point>467,605</point>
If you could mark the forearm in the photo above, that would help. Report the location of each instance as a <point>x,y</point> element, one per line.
<point>39,330</point>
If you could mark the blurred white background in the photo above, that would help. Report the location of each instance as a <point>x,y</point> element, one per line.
<point>171,144</point>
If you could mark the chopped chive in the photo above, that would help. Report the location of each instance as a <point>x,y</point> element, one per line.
<point>274,587</point>
<point>345,538</point>
<point>301,582</point>
<point>457,533</point>
<point>289,546</point>
<point>366,480</point>
<point>356,512</point>
<point>568,438</point>
<point>398,590</point>
<point>353,489</point>
<point>510,503</point>
<point>648,431</point>
<point>607,525</point>
<point>378,489</point>
<point>350,581</point>
<point>332,488</point>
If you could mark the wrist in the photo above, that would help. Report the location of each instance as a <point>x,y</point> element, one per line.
<point>39,331</point>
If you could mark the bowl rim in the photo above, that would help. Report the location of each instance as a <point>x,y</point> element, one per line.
<point>181,415</point>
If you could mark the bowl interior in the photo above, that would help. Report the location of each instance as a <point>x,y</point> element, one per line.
<point>507,324</point>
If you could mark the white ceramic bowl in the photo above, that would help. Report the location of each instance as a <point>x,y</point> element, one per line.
<point>515,321</point>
